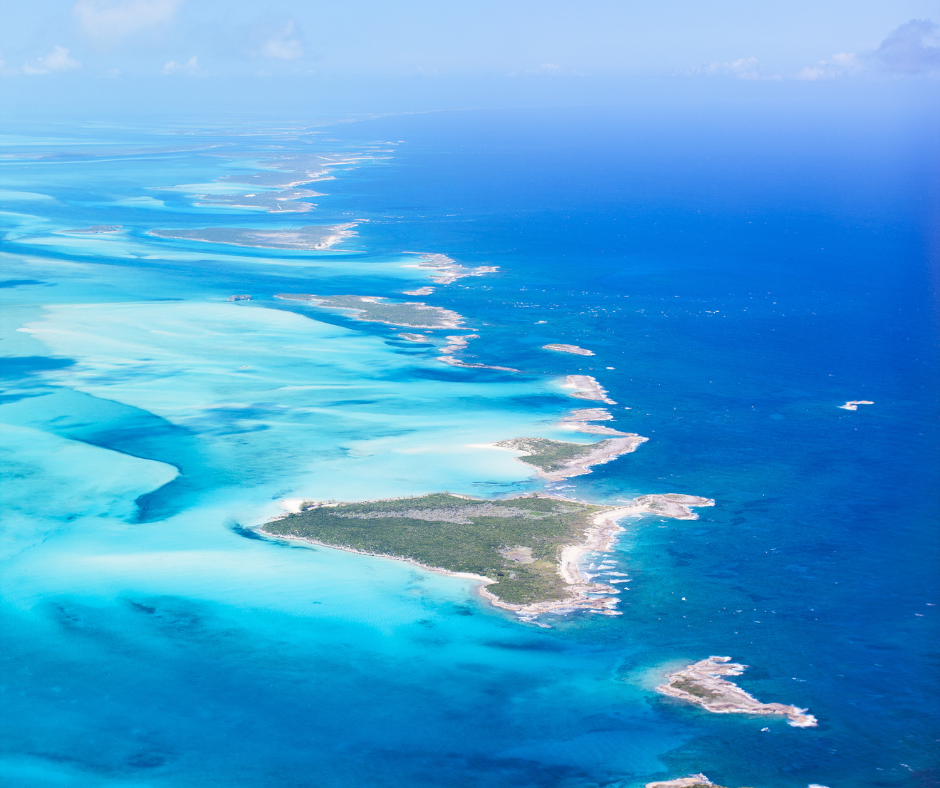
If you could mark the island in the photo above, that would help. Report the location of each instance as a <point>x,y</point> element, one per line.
<point>449,269</point>
<point>703,684</point>
<point>458,343</point>
<point>239,298</point>
<point>309,238</point>
<point>281,201</point>
<point>579,421</point>
<point>692,781</point>
<point>378,309</point>
<point>555,460</point>
<point>523,550</point>
<point>578,351</point>
<point>586,387</point>
<point>421,291</point>
<point>853,404</point>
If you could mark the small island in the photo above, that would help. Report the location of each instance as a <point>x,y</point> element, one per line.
<point>854,403</point>
<point>703,684</point>
<point>578,351</point>
<point>557,460</point>
<point>587,387</point>
<point>421,291</point>
<point>378,309</point>
<point>310,238</point>
<point>239,298</point>
<point>692,781</point>
<point>457,343</point>
<point>580,421</point>
<point>449,269</point>
<point>524,550</point>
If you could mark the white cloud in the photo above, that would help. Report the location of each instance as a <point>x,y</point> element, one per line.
<point>742,68</point>
<point>57,60</point>
<point>191,66</point>
<point>913,48</point>
<point>841,65</point>
<point>284,45</point>
<point>115,19</point>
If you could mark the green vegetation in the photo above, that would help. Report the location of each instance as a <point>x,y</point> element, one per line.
<point>458,534</point>
<point>377,310</point>
<point>689,686</point>
<point>549,455</point>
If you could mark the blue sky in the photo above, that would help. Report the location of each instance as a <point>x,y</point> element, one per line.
<point>46,45</point>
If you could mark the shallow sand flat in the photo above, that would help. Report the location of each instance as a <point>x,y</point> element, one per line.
<point>703,684</point>
<point>97,229</point>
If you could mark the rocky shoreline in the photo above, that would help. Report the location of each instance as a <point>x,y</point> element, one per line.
<point>703,684</point>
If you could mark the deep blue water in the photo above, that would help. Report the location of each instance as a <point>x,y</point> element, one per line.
<point>743,273</point>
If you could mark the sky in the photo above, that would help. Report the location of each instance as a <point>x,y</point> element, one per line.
<point>423,52</point>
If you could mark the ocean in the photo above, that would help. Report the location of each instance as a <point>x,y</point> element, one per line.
<point>739,273</point>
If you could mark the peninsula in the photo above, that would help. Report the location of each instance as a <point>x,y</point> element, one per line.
<point>557,460</point>
<point>578,351</point>
<point>523,550</point>
<point>703,684</point>
<point>378,309</point>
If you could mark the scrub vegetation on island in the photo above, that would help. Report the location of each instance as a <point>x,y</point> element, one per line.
<point>703,684</point>
<point>561,459</point>
<point>526,550</point>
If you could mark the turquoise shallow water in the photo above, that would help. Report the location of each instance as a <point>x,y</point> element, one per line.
<point>734,300</point>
